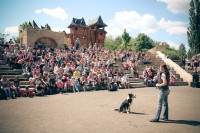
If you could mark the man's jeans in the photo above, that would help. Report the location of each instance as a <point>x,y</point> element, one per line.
<point>162,98</point>
<point>7,91</point>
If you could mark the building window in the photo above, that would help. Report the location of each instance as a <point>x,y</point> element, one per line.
<point>101,33</point>
<point>76,28</point>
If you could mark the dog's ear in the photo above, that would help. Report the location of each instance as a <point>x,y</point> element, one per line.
<point>130,95</point>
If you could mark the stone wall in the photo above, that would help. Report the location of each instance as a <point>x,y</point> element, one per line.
<point>30,36</point>
<point>183,74</point>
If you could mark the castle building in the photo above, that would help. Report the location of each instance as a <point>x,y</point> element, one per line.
<point>92,33</point>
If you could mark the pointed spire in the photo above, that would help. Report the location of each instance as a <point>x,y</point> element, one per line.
<point>47,27</point>
<point>34,25</point>
<point>30,24</point>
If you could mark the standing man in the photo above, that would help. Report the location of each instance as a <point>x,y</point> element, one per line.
<point>163,86</point>
<point>77,43</point>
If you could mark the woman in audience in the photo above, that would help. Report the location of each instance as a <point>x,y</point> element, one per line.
<point>17,86</point>
<point>6,87</point>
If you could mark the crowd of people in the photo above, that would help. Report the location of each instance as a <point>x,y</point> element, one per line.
<point>151,75</point>
<point>75,68</point>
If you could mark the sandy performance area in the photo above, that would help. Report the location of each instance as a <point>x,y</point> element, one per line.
<point>91,112</point>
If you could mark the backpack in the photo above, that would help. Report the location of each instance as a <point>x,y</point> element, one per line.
<point>151,83</point>
<point>113,87</point>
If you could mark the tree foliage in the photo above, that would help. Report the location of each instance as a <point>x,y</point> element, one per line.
<point>182,50</point>
<point>16,39</point>
<point>109,42</point>
<point>193,32</point>
<point>125,39</point>
<point>24,26</point>
<point>117,42</point>
<point>143,42</point>
<point>190,53</point>
<point>172,53</point>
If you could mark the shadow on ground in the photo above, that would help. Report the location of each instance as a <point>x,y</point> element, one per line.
<point>186,122</point>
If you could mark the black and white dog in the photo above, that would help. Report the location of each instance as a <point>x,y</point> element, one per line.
<point>125,106</point>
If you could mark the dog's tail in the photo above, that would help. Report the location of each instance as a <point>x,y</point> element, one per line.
<point>115,109</point>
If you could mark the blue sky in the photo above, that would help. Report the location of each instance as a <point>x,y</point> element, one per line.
<point>162,20</point>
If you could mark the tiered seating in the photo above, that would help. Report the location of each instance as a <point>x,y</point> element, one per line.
<point>156,63</point>
<point>5,69</point>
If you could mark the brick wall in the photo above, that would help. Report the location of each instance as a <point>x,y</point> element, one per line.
<point>30,36</point>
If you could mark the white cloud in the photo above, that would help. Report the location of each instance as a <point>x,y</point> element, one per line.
<point>56,12</point>
<point>11,30</point>
<point>132,21</point>
<point>176,45</point>
<point>173,27</point>
<point>147,23</point>
<point>177,6</point>
<point>173,44</point>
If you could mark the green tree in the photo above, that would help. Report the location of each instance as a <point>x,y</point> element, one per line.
<point>16,39</point>
<point>190,53</point>
<point>125,39</point>
<point>132,43</point>
<point>143,43</point>
<point>117,42</point>
<point>171,52</point>
<point>24,26</point>
<point>193,32</point>
<point>108,41</point>
<point>182,50</point>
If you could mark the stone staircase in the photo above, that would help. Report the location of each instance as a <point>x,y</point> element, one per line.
<point>136,82</point>
<point>188,69</point>
<point>5,69</point>
<point>156,63</point>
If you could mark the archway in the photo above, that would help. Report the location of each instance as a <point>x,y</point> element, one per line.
<point>45,42</point>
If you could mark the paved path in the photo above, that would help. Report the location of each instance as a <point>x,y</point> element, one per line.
<point>91,112</point>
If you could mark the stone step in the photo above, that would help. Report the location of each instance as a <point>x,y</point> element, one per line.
<point>10,73</point>
<point>178,79</point>
<point>180,83</point>
<point>3,65</point>
<point>133,81</point>
<point>137,85</point>
<point>24,86</point>
<point>12,76</point>
<point>20,79</point>
<point>14,70</point>
<point>6,68</point>
<point>22,82</point>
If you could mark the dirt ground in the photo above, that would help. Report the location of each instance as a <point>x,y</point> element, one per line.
<point>91,112</point>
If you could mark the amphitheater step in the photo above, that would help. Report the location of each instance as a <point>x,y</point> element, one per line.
<point>23,83</point>
<point>6,68</point>
<point>20,79</point>
<point>180,83</point>
<point>12,76</point>
<point>10,73</point>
